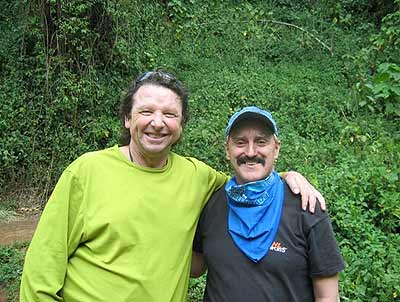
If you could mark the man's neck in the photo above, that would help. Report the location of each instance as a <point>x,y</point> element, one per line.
<point>156,161</point>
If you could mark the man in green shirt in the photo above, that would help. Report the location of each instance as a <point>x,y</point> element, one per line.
<point>120,222</point>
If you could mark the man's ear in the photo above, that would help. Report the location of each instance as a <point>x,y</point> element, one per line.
<point>277,147</point>
<point>127,122</point>
<point>226,150</point>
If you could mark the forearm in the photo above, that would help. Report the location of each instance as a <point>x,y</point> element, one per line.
<point>327,299</point>
<point>326,289</point>
<point>298,184</point>
<point>198,265</point>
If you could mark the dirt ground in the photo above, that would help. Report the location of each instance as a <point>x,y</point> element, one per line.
<point>18,230</point>
<point>2,295</point>
<point>18,225</point>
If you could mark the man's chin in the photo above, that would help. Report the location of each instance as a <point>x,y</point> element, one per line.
<point>156,149</point>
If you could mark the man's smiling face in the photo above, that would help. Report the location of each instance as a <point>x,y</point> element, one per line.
<point>155,123</point>
<point>252,149</point>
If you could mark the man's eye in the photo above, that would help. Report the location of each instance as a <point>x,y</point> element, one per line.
<point>170,115</point>
<point>145,112</point>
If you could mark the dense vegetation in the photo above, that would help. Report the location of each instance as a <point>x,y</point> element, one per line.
<point>329,71</point>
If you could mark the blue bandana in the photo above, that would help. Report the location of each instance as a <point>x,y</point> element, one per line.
<point>254,214</point>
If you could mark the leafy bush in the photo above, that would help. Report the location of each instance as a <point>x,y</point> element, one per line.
<point>376,82</point>
<point>11,260</point>
<point>384,91</point>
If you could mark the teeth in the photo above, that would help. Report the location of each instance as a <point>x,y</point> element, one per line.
<point>155,135</point>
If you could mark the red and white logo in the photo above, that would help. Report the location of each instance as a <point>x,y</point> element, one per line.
<point>278,247</point>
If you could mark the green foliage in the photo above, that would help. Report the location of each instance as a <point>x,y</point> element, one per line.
<point>8,209</point>
<point>337,109</point>
<point>384,91</point>
<point>11,260</point>
<point>61,82</point>
<point>352,12</point>
<point>196,289</point>
<point>389,37</point>
<point>366,226</point>
<point>376,83</point>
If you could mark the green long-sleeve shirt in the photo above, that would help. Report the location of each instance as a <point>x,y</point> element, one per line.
<point>115,231</point>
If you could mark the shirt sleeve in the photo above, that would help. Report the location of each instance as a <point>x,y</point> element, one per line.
<point>213,179</point>
<point>58,234</point>
<point>216,180</point>
<point>324,255</point>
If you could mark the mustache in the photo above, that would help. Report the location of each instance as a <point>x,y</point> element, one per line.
<point>244,159</point>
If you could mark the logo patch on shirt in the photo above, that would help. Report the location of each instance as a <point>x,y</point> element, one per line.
<point>278,247</point>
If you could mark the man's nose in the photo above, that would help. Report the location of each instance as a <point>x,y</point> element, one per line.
<point>158,120</point>
<point>251,150</point>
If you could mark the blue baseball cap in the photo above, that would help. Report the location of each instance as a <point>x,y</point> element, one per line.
<point>252,112</point>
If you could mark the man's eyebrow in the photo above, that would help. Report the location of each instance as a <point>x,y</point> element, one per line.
<point>262,135</point>
<point>236,137</point>
<point>265,135</point>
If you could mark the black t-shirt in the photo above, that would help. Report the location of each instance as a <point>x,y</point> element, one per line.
<point>304,247</point>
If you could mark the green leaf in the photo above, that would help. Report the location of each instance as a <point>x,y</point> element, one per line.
<point>382,77</point>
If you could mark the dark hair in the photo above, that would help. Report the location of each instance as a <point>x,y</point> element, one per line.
<point>159,78</point>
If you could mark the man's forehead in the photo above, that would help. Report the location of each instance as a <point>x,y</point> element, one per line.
<point>148,90</point>
<point>156,95</point>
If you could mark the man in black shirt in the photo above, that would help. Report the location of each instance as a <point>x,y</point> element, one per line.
<point>253,236</point>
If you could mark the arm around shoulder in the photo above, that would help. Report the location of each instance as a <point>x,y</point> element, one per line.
<point>298,184</point>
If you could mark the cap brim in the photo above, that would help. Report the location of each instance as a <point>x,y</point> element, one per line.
<point>252,115</point>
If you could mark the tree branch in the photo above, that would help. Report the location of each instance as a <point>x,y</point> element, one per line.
<point>303,30</point>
